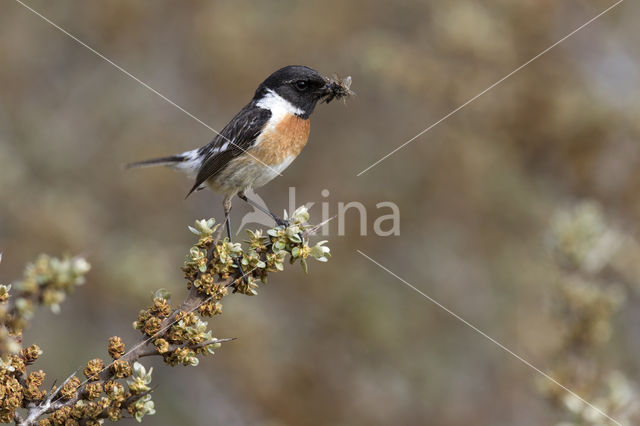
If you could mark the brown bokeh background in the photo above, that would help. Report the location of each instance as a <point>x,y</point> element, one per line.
<point>348,344</point>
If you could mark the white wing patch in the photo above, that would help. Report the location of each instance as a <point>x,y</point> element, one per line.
<point>191,164</point>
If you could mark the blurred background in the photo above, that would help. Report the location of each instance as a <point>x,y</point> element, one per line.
<point>479,197</point>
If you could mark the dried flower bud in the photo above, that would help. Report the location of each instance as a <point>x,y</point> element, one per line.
<point>160,307</point>
<point>93,390</point>
<point>32,386</point>
<point>6,416</point>
<point>187,318</point>
<point>114,390</point>
<point>18,364</point>
<point>86,412</point>
<point>184,356</point>
<point>94,368</point>
<point>59,417</point>
<point>31,353</point>
<point>78,411</point>
<point>4,292</point>
<point>116,347</point>
<point>161,345</point>
<point>12,386</point>
<point>121,369</point>
<point>114,414</point>
<point>210,308</point>
<point>12,403</point>
<point>143,316</point>
<point>68,391</point>
<point>152,326</point>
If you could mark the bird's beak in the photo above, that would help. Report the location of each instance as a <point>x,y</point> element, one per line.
<point>325,90</point>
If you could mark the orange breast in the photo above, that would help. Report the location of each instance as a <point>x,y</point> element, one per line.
<point>285,139</point>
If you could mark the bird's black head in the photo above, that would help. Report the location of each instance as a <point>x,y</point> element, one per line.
<point>300,86</point>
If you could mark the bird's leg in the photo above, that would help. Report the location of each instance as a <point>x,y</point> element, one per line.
<point>279,221</point>
<point>226,204</point>
<point>227,218</point>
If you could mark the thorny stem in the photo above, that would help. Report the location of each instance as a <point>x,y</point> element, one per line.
<point>196,297</point>
<point>141,349</point>
<point>153,351</point>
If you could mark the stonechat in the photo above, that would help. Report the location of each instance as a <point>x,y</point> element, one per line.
<point>262,139</point>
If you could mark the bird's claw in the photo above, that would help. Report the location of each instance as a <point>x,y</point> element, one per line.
<point>286,224</point>
<point>282,222</point>
<point>242,276</point>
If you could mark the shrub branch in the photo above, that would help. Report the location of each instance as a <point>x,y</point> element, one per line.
<point>179,335</point>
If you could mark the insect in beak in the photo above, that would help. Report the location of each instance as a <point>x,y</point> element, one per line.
<point>338,88</point>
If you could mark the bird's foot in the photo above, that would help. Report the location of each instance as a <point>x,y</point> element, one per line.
<point>282,222</point>
<point>286,224</point>
<point>243,277</point>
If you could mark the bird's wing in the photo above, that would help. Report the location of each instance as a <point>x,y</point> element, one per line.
<point>235,138</point>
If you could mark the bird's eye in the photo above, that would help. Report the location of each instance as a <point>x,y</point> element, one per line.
<point>302,85</point>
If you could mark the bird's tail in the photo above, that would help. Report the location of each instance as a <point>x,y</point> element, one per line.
<point>188,162</point>
<point>164,161</point>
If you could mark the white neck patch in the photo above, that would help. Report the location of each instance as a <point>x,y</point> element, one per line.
<point>278,105</point>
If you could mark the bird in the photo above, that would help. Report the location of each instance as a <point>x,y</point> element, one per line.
<point>256,216</point>
<point>261,140</point>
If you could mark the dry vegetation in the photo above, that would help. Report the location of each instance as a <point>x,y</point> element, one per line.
<point>478,196</point>
<point>122,388</point>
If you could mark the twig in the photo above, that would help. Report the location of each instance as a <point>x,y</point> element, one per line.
<point>154,351</point>
<point>141,349</point>
<point>40,409</point>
